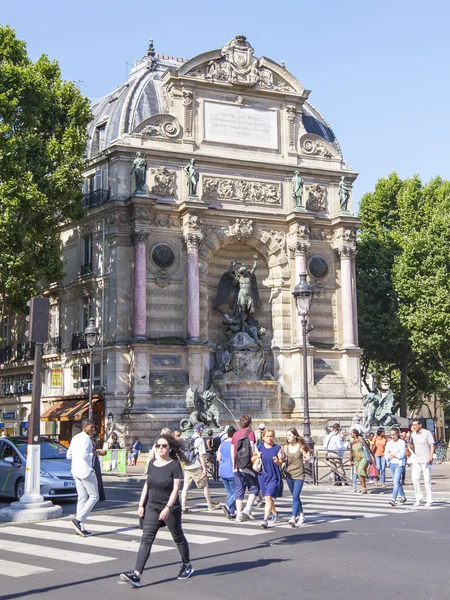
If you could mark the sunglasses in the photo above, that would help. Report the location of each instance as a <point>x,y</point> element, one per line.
<point>162,445</point>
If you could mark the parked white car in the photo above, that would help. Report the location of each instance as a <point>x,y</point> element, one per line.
<point>56,478</point>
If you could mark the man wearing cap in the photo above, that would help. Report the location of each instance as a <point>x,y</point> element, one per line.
<point>335,446</point>
<point>196,471</point>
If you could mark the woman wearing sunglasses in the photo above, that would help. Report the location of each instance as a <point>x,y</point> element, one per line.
<point>159,506</point>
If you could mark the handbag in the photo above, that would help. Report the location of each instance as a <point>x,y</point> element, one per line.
<point>373,471</point>
<point>258,465</point>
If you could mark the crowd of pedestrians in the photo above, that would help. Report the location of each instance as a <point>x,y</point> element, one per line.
<point>250,467</point>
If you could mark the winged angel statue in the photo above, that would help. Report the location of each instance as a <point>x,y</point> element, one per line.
<point>239,290</point>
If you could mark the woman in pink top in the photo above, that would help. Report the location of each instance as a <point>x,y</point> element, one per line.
<point>378,447</point>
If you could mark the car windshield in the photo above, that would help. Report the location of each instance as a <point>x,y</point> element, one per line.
<point>48,449</point>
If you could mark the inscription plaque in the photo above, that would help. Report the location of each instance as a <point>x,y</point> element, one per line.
<point>244,126</point>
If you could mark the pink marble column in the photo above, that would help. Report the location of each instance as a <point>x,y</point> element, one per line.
<point>301,248</point>
<point>140,239</point>
<point>193,288</point>
<point>347,254</point>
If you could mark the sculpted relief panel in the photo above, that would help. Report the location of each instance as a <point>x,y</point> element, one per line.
<point>240,190</point>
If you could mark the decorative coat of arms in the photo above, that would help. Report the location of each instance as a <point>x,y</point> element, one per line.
<point>239,67</point>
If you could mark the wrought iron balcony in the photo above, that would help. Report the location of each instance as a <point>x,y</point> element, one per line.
<point>53,346</point>
<point>5,354</point>
<point>86,269</point>
<point>96,198</point>
<point>78,341</point>
<point>25,351</point>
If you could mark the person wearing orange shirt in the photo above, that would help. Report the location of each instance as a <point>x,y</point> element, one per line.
<point>378,447</point>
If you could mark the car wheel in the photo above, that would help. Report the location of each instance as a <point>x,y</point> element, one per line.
<point>19,489</point>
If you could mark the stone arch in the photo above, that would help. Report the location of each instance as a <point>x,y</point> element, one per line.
<point>217,250</point>
<point>262,241</point>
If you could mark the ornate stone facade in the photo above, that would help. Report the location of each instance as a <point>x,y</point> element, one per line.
<point>157,259</point>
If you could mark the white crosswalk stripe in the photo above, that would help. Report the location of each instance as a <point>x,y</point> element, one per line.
<point>17,569</point>
<point>118,531</point>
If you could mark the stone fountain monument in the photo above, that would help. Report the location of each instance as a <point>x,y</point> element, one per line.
<point>239,375</point>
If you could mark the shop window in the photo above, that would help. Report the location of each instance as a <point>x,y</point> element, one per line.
<point>56,376</point>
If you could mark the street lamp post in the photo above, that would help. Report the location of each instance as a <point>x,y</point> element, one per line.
<point>91,334</point>
<point>303,293</point>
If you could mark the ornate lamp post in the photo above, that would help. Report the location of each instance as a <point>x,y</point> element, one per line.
<point>91,334</point>
<point>303,293</point>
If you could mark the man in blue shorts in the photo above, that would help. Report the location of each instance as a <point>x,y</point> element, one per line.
<point>242,449</point>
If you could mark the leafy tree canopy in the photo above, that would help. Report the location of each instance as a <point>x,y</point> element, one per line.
<point>43,122</point>
<point>403,267</point>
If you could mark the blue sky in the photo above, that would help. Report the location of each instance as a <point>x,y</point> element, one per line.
<point>378,70</point>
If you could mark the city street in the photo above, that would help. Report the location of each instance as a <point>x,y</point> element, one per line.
<point>350,546</point>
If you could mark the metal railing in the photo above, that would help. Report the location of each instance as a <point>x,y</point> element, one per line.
<point>96,198</point>
<point>25,351</point>
<point>79,341</point>
<point>5,354</point>
<point>86,269</point>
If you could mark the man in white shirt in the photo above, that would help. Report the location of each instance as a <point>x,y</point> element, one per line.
<point>196,471</point>
<point>422,444</point>
<point>335,446</point>
<point>81,453</point>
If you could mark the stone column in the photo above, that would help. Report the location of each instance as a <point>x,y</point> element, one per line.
<point>193,235</point>
<point>140,239</point>
<point>347,254</point>
<point>193,288</point>
<point>300,249</point>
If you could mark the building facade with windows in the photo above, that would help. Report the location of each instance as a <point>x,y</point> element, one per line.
<point>146,261</point>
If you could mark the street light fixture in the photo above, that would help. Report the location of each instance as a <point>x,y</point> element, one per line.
<point>303,293</point>
<point>91,335</point>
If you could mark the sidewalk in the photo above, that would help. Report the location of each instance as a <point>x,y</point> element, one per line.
<point>440,479</point>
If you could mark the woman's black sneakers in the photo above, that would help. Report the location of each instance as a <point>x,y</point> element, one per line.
<point>131,578</point>
<point>185,571</point>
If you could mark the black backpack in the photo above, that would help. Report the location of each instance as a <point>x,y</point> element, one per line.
<point>216,443</point>
<point>191,451</point>
<point>243,459</point>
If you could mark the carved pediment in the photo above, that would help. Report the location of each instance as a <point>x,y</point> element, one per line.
<point>235,64</point>
<point>160,126</point>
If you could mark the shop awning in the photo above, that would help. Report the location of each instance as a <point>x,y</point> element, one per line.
<point>72,409</point>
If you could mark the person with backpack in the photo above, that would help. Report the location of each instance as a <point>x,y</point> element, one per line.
<point>243,445</point>
<point>195,469</point>
<point>226,474</point>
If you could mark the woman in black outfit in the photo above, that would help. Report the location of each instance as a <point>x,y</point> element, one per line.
<point>159,506</point>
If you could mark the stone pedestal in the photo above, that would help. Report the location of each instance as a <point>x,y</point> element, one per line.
<point>259,399</point>
<point>30,511</point>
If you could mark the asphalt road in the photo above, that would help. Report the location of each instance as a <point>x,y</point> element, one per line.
<point>363,548</point>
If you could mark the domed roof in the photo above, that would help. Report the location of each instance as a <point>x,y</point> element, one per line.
<point>142,97</point>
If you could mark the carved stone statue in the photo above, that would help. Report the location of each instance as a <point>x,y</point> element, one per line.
<point>344,194</point>
<point>377,410</point>
<point>205,411</point>
<point>192,177</point>
<point>297,190</point>
<point>139,169</point>
<point>244,287</point>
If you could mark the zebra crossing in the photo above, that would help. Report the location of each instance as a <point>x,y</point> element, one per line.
<point>36,549</point>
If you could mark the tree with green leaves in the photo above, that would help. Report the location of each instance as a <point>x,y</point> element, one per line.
<point>43,122</point>
<point>422,279</point>
<point>393,265</point>
<point>384,339</point>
